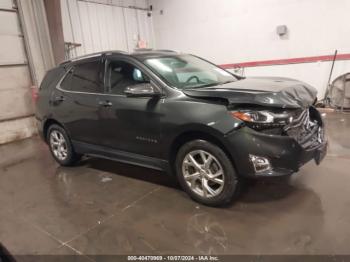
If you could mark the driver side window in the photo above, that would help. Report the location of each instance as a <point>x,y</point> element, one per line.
<point>122,75</point>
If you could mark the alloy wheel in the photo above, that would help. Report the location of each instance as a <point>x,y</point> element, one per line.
<point>203,173</point>
<point>58,145</point>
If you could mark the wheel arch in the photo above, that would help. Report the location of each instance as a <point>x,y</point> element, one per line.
<point>187,136</point>
<point>49,122</point>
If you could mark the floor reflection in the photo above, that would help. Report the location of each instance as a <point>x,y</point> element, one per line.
<point>206,234</point>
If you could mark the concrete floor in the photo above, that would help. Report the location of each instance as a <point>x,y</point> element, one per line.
<point>103,207</point>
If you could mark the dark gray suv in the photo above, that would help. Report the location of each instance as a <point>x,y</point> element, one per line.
<point>181,114</point>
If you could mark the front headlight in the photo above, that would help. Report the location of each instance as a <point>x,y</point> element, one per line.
<point>262,118</point>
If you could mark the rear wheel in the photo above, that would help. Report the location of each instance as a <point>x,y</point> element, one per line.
<point>61,147</point>
<point>206,173</point>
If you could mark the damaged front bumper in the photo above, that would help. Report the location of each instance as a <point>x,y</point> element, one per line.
<point>281,154</point>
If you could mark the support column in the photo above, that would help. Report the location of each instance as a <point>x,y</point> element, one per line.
<point>54,19</point>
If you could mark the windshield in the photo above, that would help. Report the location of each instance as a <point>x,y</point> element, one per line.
<point>186,71</point>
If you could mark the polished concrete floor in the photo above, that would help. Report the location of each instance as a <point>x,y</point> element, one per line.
<point>103,207</point>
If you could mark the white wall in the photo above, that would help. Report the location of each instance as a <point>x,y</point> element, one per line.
<point>100,25</point>
<point>234,31</point>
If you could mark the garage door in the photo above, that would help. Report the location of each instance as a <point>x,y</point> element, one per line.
<point>15,100</point>
<point>99,27</point>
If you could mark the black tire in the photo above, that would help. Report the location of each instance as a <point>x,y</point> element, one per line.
<point>231,183</point>
<point>71,157</point>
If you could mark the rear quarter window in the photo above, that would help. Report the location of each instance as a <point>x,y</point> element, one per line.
<point>66,82</point>
<point>52,77</point>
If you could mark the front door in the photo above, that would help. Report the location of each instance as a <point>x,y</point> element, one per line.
<point>130,124</point>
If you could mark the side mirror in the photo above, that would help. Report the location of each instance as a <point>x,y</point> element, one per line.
<point>141,90</point>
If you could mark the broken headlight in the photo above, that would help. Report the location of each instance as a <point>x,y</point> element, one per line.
<point>263,119</point>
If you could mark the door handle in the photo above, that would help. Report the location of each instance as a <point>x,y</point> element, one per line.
<point>59,98</point>
<point>105,103</point>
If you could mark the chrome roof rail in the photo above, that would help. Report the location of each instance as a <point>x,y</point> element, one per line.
<point>166,50</point>
<point>140,50</point>
<point>97,54</point>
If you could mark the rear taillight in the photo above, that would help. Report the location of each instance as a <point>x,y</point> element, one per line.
<point>35,94</point>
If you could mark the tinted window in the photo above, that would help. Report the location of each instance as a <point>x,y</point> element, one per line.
<point>52,77</point>
<point>65,84</point>
<point>86,77</point>
<point>122,75</point>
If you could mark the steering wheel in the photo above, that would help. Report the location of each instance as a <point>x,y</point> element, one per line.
<point>191,78</point>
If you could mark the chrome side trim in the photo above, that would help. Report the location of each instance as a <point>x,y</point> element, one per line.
<point>58,87</point>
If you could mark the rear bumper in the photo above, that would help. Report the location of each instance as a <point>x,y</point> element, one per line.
<point>285,155</point>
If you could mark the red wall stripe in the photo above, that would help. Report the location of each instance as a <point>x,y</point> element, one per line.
<point>299,60</point>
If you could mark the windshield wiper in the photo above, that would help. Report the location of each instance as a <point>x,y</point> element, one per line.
<point>215,84</point>
<point>197,86</point>
<point>209,85</point>
<point>230,81</point>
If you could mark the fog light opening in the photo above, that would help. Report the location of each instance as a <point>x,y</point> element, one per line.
<point>260,164</point>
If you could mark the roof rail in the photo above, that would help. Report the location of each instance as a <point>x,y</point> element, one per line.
<point>91,55</point>
<point>153,50</point>
<point>143,49</point>
<point>166,50</point>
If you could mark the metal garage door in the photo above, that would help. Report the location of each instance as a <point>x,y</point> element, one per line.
<point>105,26</point>
<point>15,80</point>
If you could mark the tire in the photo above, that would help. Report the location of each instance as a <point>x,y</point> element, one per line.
<point>61,146</point>
<point>192,177</point>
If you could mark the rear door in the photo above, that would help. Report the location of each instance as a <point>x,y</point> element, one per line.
<point>76,101</point>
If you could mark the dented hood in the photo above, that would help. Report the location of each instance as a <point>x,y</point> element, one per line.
<point>272,92</point>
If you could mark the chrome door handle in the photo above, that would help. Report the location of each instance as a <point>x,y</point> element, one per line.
<point>59,98</point>
<point>105,103</point>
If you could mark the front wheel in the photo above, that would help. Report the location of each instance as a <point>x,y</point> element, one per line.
<point>206,173</point>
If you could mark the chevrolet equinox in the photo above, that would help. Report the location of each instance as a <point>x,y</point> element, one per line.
<point>181,114</point>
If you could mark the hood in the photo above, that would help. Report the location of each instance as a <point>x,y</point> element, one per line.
<point>264,91</point>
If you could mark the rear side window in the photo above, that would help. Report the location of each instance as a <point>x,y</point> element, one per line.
<point>66,82</point>
<point>52,77</point>
<point>86,77</point>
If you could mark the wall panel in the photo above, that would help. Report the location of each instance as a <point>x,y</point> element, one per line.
<point>17,129</point>
<point>7,4</point>
<point>24,58</point>
<point>15,80</point>
<point>12,50</point>
<point>9,24</point>
<point>15,103</point>
<point>239,31</point>
<point>105,25</point>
